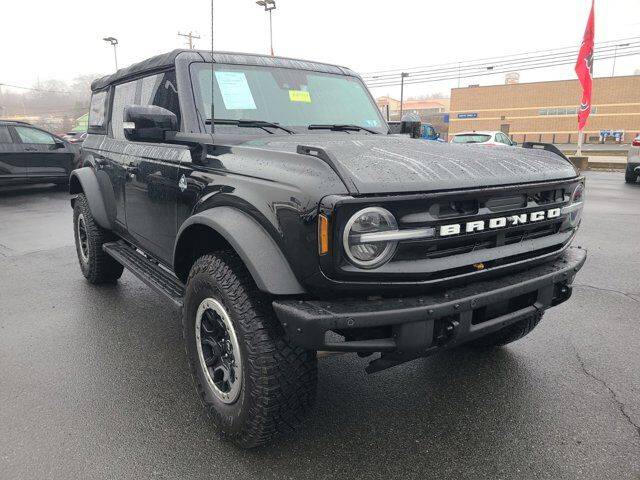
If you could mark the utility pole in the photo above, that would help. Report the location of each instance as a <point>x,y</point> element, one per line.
<point>403,75</point>
<point>615,54</point>
<point>269,6</point>
<point>190,38</point>
<point>114,42</point>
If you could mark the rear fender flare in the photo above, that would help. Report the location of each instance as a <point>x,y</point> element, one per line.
<point>96,186</point>
<point>253,244</point>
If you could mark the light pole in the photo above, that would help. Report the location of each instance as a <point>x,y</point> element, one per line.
<point>269,6</point>
<point>615,53</point>
<point>113,41</point>
<point>403,75</point>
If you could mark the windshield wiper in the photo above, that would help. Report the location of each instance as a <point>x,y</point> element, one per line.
<point>249,123</point>
<point>338,127</point>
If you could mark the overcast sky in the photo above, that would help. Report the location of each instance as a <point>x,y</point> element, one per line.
<point>61,40</point>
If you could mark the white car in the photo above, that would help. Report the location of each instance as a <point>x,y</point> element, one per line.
<point>633,161</point>
<point>490,138</point>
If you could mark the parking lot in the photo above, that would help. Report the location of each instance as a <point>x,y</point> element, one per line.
<point>94,382</point>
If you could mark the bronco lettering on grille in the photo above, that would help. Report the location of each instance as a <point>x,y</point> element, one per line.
<point>498,222</point>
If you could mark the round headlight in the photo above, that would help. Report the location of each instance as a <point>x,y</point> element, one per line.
<point>362,249</point>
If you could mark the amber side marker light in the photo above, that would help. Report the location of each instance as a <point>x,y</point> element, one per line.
<point>478,266</point>
<point>323,234</point>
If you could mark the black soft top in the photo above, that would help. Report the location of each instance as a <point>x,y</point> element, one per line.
<point>166,60</point>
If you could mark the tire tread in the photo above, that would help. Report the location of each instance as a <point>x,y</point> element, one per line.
<point>102,268</point>
<point>284,376</point>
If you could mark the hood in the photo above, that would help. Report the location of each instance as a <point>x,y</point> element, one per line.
<point>370,164</point>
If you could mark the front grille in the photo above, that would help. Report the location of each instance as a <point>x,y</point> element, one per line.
<point>445,247</point>
<point>453,255</point>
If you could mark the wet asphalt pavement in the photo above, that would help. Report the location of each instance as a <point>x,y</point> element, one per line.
<point>94,381</point>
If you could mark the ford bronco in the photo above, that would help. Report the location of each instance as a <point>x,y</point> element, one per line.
<point>266,200</point>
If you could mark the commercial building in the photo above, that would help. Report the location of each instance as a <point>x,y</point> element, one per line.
<point>433,111</point>
<point>547,111</point>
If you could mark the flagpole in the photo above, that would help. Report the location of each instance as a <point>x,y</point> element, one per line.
<point>579,150</point>
<point>584,70</point>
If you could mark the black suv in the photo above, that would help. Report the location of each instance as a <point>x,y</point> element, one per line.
<point>266,199</point>
<point>31,155</point>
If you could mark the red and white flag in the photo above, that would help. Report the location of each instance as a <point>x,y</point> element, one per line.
<point>584,70</point>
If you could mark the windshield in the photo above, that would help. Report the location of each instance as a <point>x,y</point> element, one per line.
<point>471,138</point>
<point>292,98</point>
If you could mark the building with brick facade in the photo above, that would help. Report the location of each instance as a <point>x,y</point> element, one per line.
<point>434,111</point>
<point>547,111</point>
<point>422,108</point>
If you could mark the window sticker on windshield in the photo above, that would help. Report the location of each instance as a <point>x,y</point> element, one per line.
<point>372,123</point>
<point>235,91</point>
<point>299,96</point>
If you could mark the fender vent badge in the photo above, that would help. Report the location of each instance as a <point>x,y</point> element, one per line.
<point>182,183</point>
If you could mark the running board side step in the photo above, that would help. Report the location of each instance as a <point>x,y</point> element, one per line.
<point>156,277</point>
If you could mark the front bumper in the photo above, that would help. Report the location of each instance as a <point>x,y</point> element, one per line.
<point>421,325</point>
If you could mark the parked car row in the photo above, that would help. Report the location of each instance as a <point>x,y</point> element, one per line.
<point>30,154</point>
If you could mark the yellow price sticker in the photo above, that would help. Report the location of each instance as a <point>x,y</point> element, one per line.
<point>299,96</point>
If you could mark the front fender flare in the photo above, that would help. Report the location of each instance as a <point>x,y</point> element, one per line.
<point>96,186</point>
<point>253,244</point>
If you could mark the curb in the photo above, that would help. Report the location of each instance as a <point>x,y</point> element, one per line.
<point>585,163</point>
<point>606,166</point>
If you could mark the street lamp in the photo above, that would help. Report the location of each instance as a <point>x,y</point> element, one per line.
<point>113,41</point>
<point>403,75</point>
<point>615,52</point>
<point>269,6</point>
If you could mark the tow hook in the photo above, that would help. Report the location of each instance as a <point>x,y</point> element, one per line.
<point>444,331</point>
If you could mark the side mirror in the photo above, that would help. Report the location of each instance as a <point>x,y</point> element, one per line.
<point>58,145</point>
<point>437,135</point>
<point>148,123</point>
<point>514,144</point>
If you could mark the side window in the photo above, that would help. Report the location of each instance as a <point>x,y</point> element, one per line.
<point>97,111</point>
<point>161,90</point>
<point>125,94</point>
<point>5,136</point>
<point>31,135</point>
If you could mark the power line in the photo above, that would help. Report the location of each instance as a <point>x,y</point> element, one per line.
<point>33,89</point>
<point>542,62</point>
<point>491,72</point>
<point>514,64</point>
<point>513,56</point>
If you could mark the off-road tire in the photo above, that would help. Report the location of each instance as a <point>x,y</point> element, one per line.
<point>630,177</point>
<point>98,267</point>
<point>278,380</point>
<point>508,334</point>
